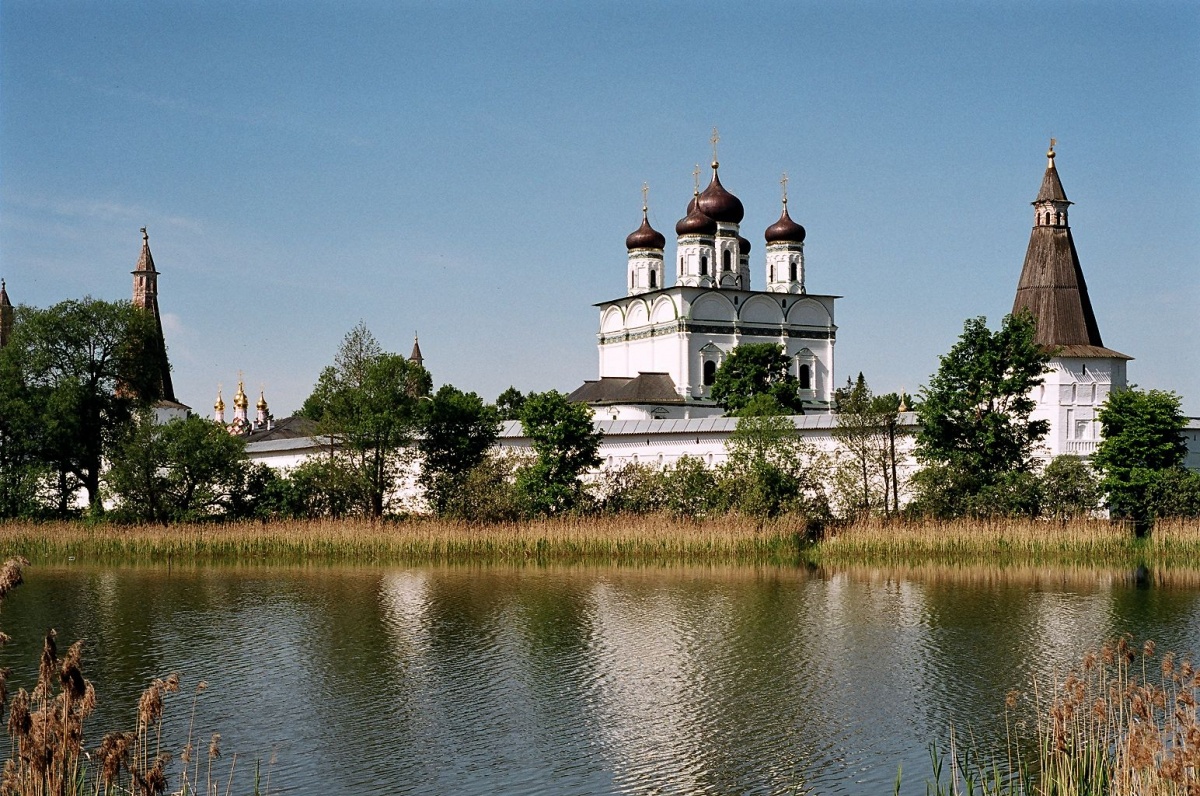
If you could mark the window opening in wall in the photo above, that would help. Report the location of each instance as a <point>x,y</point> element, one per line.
<point>792,271</point>
<point>771,274</point>
<point>805,378</point>
<point>725,260</point>
<point>1085,371</point>
<point>703,265</point>
<point>653,279</point>
<point>710,372</point>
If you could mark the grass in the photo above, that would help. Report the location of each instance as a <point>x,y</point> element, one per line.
<point>616,539</point>
<point>1173,543</point>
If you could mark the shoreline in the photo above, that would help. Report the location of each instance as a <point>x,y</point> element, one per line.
<point>727,539</point>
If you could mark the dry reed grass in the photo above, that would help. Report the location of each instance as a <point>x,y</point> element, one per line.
<point>47,756</point>
<point>617,539</point>
<point>567,538</point>
<point>1123,723</point>
<point>1172,543</point>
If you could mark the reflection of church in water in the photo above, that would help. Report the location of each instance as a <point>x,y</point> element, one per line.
<point>660,346</point>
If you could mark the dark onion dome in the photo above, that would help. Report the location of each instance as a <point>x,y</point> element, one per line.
<point>645,237</point>
<point>743,246</point>
<point>784,230</point>
<point>695,223</point>
<point>718,203</point>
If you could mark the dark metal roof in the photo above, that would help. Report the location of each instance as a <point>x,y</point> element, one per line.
<point>1051,190</point>
<point>718,203</point>
<point>645,237</point>
<point>645,388</point>
<point>288,428</point>
<point>695,222</point>
<point>784,230</point>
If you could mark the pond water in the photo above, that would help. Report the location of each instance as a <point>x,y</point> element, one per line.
<point>583,680</point>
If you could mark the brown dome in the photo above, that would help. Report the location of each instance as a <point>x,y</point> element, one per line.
<point>695,222</point>
<point>719,204</point>
<point>743,246</point>
<point>645,237</point>
<point>785,230</point>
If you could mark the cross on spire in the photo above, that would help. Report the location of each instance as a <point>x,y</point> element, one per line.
<point>715,139</point>
<point>783,181</point>
<point>696,179</point>
<point>645,197</point>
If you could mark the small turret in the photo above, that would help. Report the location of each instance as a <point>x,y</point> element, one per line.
<point>785,251</point>
<point>263,417</point>
<point>240,404</point>
<point>416,356</point>
<point>645,245</point>
<point>219,409</point>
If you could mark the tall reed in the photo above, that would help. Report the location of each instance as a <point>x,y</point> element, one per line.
<point>1123,723</point>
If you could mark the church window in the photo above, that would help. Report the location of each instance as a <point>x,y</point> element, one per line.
<point>792,271</point>
<point>704,265</point>
<point>710,373</point>
<point>653,279</point>
<point>771,274</point>
<point>726,260</point>
<point>681,265</point>
<point>805,377</point>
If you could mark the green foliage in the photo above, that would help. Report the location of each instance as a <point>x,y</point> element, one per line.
<point>489,493</point>
<point>1069,488</point>
<point>566,443</point>
<point>1143,442</point>
<point>509,403</point>
<point>458,430</point>
<point>370,401</point>
<point>690,489</point>
<point>181,471</point>
<point>770,471</point>
<point>975,412</point>
<point>73,377</point>
<point>755,369</point>
<point>322,486</point>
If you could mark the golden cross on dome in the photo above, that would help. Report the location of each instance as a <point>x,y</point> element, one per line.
<point>716,138</point>
<point>784,181</point>
<point>645,196</point>
<point>696,179</point>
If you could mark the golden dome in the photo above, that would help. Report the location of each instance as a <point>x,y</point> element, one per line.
<point>219,406</point>
<point>240,401</point>
<point>262,402</point>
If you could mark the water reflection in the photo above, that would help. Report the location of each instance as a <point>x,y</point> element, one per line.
<point>587,680</point>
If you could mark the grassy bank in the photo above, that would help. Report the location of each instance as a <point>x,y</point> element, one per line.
<point>617,539</point>
<point>1172,543</point>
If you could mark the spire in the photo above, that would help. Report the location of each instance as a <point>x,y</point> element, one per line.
<point>145,295</point>
<point>415,356</point>
<point>1052,287</point>
<point>6,315</point>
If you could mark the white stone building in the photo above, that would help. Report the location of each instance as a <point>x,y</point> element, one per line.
<point>660,345</point>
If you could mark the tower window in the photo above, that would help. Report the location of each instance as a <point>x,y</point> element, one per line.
<point>653,279</point>
<point>792,271</point>
<point>710,372</point>
<point>805,378</point>
<point>771,274</point>
<point>704,265</point>
<point>726,260</point>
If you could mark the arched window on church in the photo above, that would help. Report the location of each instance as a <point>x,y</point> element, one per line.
<point>771,274</point>
<point>704,265</point>
<point>726,261</point>
<point>710,373</point>
<point>653,279</point>
<point>805,378</point>
<point>792,271</point>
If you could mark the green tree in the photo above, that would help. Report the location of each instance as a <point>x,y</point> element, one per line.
<point>509,403</point>
<point>756,369</point>
<point>690,488</point>
<point>370,401</point>
<point>975,411</point>
<point>1142,441</point>
<point>861,434</point>
<point>84,369</point>
<point>771,471</point>
<point>489,493</point>
<point>22,472</point>
<point>458,430</point>
<point>567,445</point>
<point>1069,488</point>
<point>180,471</point>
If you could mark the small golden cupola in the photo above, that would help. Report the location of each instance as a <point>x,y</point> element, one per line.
<point>219,408</point>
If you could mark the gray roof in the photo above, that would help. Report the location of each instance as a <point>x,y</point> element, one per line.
<point>645,388</point>
<point>699,425</point>
<point>289,428</point>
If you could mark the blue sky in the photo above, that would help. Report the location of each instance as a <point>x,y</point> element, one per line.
<point>470,170</point>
